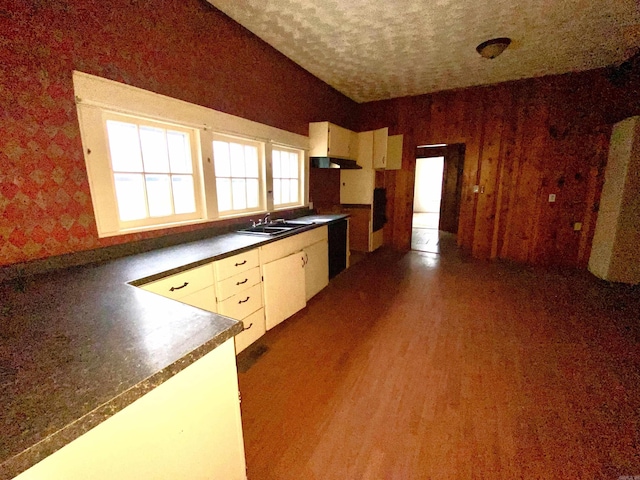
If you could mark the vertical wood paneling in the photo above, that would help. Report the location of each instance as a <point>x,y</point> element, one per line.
<point>524,140</point>
<point>488,175</point>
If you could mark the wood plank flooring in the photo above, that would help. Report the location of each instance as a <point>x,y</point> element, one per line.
<point>422,366</point>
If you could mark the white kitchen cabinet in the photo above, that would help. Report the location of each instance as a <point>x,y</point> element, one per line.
<point>394,152</point>
<point>187,427</point>
<point>239,294</point>
<point>194,287</point>
<point>365,149</point>
<point>284,288</point>
<point>254,328</point>
<point>239,263</point>
<point>242,304</point>
<point>372,149</point>
<point>316,269</point>
<point>183,283</point>
<point>204,299</point>
<point>329,140</point>
<point>380,148</point>
<point>356,186</point>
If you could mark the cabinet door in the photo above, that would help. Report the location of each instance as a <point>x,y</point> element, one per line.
<point>204,299</point>
<point>356,186</point>
<point>317,267</point>
<point>340,140</point>
<point>380,147</point>
<point>365,149</point>
<point>394,152</point>
<point>284,288</point>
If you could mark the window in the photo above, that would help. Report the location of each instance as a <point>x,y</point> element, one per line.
<point>152,171</point>
<point>155,162</point>
<point>237,166</point>
<point>285,167</point>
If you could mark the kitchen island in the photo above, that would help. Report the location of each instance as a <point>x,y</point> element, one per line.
<point>81,344</point>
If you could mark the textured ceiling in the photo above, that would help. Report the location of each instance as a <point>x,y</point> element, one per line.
<point>378,49</point>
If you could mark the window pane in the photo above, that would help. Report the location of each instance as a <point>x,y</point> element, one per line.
<point>184,199</point>
<point>154,150</point>
<point>221,159</point>
<point>286,191</point>
<point>293,165</point>
<point>284,165</point>
<point>253,193</point>
<point>159,195</point>
<point>239,193</point>
<point>179,152</point>
<point>293,191</point>
<point>277,195</point>
<point>130,196</point>
<point>223,188</point>
<point>237,160</point>
<point>251,161</point>
<point>275,163</point>
<point>124,146</point>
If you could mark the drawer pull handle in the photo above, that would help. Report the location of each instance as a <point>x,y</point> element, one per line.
<point>241,263</point>
<point>245,281</point>
<point>178,288</point>
<point>245,300</point>
<point>250,325</point>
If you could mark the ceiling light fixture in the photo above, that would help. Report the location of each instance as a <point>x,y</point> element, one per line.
<point>494,47</point>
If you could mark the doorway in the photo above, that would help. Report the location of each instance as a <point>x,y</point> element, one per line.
<point>437,191</point>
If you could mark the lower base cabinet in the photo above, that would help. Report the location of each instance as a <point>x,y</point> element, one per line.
<point>187,427</point>
<point>284,288</point>
<point>254,328</point>
<point>316,267</point>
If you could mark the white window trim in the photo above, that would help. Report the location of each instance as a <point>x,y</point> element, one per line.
<point>95,95</point>
<point>302,188</point>
<point>261,176</point>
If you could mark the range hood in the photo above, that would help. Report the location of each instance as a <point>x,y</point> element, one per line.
<point>334,162</point>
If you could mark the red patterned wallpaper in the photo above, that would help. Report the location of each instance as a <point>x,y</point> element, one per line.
<point>182,48</point>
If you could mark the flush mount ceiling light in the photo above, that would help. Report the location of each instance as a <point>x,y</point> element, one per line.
<point>494,47</point>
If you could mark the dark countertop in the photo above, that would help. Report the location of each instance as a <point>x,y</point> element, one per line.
<point>79,344</point>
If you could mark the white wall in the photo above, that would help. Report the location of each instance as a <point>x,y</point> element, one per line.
<point>428,184</point>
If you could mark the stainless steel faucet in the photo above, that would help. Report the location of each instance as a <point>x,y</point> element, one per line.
<point>267,218</point>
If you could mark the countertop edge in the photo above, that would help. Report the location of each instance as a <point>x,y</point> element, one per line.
<point>49,445</point>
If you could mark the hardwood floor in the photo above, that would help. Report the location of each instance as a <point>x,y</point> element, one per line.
<point>422,366</point>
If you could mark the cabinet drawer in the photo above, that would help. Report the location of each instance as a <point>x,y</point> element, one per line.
<point>182,284</point>
<point>293,244</point>
<point>254,328</point>
<point>242,262</point>
<point>239,282</point>
<point>242,304</point>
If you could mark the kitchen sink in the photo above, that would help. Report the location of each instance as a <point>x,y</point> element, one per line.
<point>272,229</point>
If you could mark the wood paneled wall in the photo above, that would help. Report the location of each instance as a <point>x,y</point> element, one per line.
<point>524,140</point>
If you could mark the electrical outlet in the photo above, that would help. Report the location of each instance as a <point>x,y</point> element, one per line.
<point>552,197</point>
<point>476,189</point>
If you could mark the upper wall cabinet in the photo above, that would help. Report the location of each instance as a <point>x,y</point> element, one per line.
<point>394,152</point>
<point>372,148</point>
<point>329,140</point>
<point>380,148</point>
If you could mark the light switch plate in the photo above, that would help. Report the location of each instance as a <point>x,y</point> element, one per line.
<point>552,197</point>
